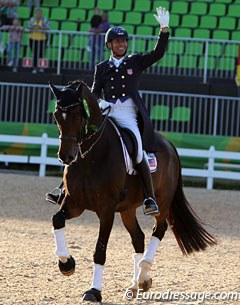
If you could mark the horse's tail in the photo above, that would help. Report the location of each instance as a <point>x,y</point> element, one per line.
<point>185,224</point>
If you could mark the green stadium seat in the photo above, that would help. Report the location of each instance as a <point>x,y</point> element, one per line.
<point>23,12</point>
<point>144,30</point>
<point>194,48</point>
<point>183,32</point>
<point>68,3</point>
<point>174,20</point>
<point>45,12</point>
<point>201,33</point>
<point>125,5</point>
<point>133,18</point>
<point>129,28</point>
<point>206,1</point>
<point>77,14</point>
<point>176,47</point>
<point>58,13</point>
<point>208,22</point>
<point>227,23</point>
<point>224,1</point>
<point>80,41</point>
<point>159,112</point>
<point>211,62</point>
<point>234,10</point>
<point>231,50</point>
<point>52,53</point>
<point>215,49</point>
<point>149,19</point>
<point>87,4</point>
<point>221,34</point>
<point>190,21</point>
<point>84,27</point>
<point>235,35</point>
<point>198,8</point>
<point>181,114</point>
<point>69,26</point>
<point>169,61</point>
<point>188,61</point>
<point>179,7</point>
<point>227,64</point>
<point>52,3</point>
<point>64,43</point>
<point>142,6</point>
<point>55,25</point>
<point>166,4</point>
<point>217,9</point>
<point>140,45</point>
<point>115,17</point>
<point>105,4</point>
<point>72,55</point>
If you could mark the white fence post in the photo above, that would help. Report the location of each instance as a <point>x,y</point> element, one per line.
<point>210,168</point>
<point>42,168</point>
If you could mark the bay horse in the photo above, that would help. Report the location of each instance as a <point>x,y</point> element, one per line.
<point>95,179</point>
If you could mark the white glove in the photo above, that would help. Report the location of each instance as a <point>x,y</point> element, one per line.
<point>162,17</point>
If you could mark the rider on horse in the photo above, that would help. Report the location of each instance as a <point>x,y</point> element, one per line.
<point>118,79</point>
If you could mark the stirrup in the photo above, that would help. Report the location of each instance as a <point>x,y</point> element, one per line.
<point>54,196</point>
<point>150,207</point>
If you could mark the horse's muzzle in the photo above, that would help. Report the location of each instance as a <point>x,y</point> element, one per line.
<point>67,157</point>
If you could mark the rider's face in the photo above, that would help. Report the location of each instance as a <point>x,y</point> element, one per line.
<point>118,47</point>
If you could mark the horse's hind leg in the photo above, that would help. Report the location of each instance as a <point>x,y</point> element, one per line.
<point>131,224</point>
<point>144,279</point>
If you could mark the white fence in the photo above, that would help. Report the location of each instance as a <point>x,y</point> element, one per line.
<point>210,173</point>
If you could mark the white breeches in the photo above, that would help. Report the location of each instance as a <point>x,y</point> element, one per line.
<point>125,114</point>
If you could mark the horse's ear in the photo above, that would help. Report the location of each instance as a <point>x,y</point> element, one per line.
<point>55,91</point>
<point>79,89</point>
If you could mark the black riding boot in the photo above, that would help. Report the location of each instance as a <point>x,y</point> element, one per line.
<point>56,195</point>
<point>150,206</point>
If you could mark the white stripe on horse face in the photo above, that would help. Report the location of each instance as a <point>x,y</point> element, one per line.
<point>64,115</point>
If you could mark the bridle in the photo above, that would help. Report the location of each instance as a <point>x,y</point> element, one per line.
<point>82,139</point>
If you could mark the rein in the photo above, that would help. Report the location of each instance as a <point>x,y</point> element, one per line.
<point>101,128</point>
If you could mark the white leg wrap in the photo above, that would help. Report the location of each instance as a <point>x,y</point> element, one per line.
<point>136,259</point>
<point>97,276</point>
<point>61,246</point>
<point>151,250</point>
<point>145,263</point>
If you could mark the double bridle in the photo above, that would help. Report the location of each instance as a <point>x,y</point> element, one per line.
<point>81,140</point>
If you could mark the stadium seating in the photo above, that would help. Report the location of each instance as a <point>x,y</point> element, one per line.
<point>204,19</point>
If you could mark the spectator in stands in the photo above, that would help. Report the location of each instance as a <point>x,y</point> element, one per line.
<point>32,4</point>
<point>38,26</point>
<point>118,79</point>
<point>15,36</point>
<point>8,11</point>
<point>97,39</point>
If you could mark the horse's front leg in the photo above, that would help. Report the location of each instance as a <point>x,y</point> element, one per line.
<point>66,262</point>
<point>99,257</point>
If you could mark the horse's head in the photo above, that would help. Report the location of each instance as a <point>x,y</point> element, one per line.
<point>71,116</point>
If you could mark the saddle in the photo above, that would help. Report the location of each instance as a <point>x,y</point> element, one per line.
<point>129,146</point>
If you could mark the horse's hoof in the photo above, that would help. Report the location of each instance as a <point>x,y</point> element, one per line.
<point>92,295</point>
<point>146,285</point>
<point>67,268</point>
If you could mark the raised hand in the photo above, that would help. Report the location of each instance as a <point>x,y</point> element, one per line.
<point>162,17</point>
